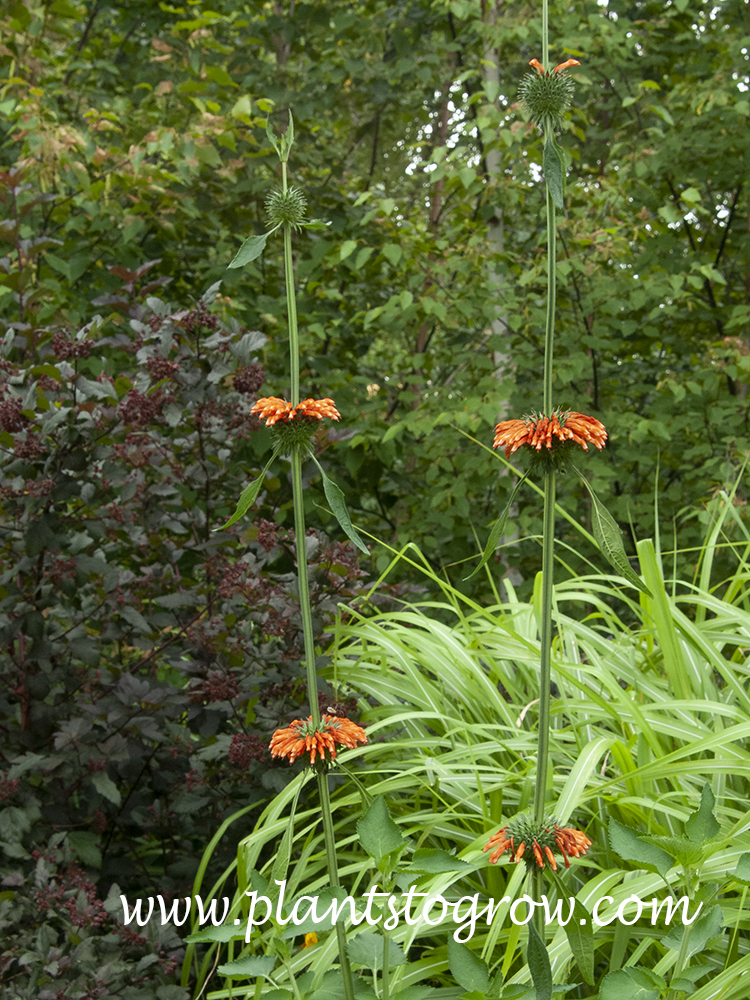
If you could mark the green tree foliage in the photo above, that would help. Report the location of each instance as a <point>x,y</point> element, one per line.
<point>140,126</point>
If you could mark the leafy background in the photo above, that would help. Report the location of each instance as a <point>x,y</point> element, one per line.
<point>133,163</point>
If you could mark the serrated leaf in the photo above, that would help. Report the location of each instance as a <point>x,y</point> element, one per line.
<point>699,933</point>
<point>252,247</point>
<point>250,965</point>
<point>89,388</point>
<point>136,619</point>
<point>609,539</point>
<point>106,787</point>
<point>335,498</point>
<point>86,845</point>
<point>433,861</point>
<point>248,495</point>
<point>681,849</point>
<point>632,983</point>
<point>553,171</point>
<point>367,950</point>
<point>702,824</point>
<point>498,528</point>
<point>539,965</point>
<point>631,847</point>
<point>469,971</point>
<point>742,871</point>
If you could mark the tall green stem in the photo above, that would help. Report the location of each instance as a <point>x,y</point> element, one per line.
<point>548,552</point>
<point>303,584</point>
<point>333,871</point>
<point>548,527</point>
<point>549,330</point>
<point>292,305</point>
<point>304,598</point>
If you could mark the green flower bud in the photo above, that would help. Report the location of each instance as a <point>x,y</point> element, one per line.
<point>286,207</point>
<point>546,96</point>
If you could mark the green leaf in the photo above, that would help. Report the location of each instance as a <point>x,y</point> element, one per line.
<point>631,847</point>
<point>248,495</point>
<point>346,249</point>
<point>86,845</point>
<point>539,966</point>
<point>702,825</point>
<point>742,871</point>
<point>609,539</point>
<point>252,247</point>
<point>335,498</point>
<point>553,171</point>
<point>433,861</point>
<point>367,950</point>
<point>251,965</point>
<point>683,850</point>
<point>392,253</point>
<point>106,787</point>
<point>580,932</point>
<point>698,933</point>
<point>498,528</point>
<point>281,862</point>
<point>377,832</point>
<point>469,971</point>
<point>272,138</point>
<point>633,983</point>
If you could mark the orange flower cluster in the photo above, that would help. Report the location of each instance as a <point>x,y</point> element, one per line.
<point>303,737</point>
<point>544,432</point>
<point>558,69</point>
<point>272,410</point>
<point>567,840</point>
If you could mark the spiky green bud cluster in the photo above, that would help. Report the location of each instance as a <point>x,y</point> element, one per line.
<point>526,828</point>
<point>546,97</point>
<point>292,434</point>
<point>286,207</point>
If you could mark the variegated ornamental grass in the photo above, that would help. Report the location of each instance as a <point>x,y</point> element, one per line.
<point>650,703</point>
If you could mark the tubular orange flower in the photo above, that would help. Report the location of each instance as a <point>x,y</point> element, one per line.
<point>558,69</point>
<point>550,432</point>
<point>320,741</point>
<point>570,841</point>
<point>316,408</point>
<point>541,840</point>
<point>566,65</point>
<point>272,409</point>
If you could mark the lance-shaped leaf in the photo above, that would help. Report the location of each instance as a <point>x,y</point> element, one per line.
<point>281,863</point>
<point>609,539</point>
<point>553,171</point>
<point>248,495</point>
<point>539,964</point>
<point>579,930</point>
<point>335,498</point>
<point>283,144</point>
<point>498,528</point>
<point>252,247</point>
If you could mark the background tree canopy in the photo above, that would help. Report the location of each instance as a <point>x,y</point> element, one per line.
<point>136,129</point>
<point>146,657</point>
